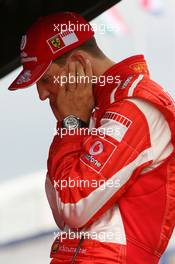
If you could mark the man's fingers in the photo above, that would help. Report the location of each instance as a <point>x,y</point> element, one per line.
<point>80,78</point>
<point>72,76</point>
<point>63,84</point>
<point>88,68</point>
<point>88,72</point>
<point>79,69</point>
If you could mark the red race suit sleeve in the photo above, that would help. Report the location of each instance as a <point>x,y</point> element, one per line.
<point>91,172</point>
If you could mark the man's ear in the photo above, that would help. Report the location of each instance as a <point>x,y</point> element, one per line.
<point>79,56</point>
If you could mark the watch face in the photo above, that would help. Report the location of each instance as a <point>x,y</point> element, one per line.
<point>71,122</point>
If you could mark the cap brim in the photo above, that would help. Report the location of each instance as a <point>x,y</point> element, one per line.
<point>29,76</point>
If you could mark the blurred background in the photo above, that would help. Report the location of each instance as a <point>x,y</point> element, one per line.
<point>27,127</point>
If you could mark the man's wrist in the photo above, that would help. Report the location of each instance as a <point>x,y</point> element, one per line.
<point>73,122</point>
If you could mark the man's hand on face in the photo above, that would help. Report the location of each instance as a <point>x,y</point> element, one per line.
<point>75,97</point>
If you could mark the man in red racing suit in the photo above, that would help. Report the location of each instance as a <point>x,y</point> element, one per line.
<point>134,208</point>
<point>111,187</point>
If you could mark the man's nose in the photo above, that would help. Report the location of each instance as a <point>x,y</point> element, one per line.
<point>43,93</point>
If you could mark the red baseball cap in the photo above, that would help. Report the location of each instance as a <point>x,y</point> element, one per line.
<point>47,39</point>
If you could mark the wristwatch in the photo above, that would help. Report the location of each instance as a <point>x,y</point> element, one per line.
<point>73,122</point>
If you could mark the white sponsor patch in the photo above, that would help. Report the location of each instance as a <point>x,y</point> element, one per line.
<point>27,59</point>
<point>24,77</point>
<point>118,123</point>
<point>23,42</point>
<point>126,82</point>
<point>69,37</point>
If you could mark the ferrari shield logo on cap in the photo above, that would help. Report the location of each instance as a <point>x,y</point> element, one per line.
<point>62,40</point>
<point>56,42</point>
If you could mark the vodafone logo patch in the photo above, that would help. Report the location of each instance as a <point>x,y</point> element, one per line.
<point>97,148</point>
<point>97,153</point>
